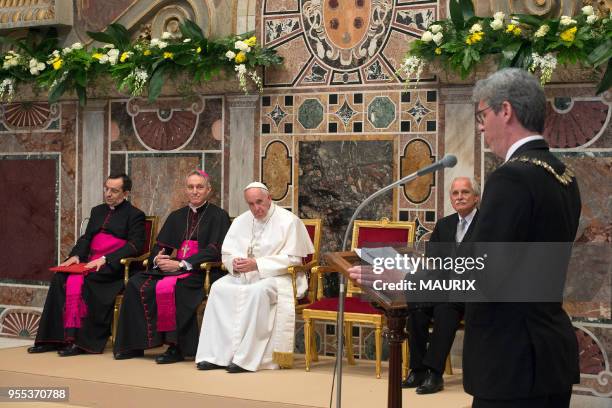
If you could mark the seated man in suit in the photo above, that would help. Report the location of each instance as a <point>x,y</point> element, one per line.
<point>160,304</point>
<point>249,320</point>
<point>428,351</point>
<point>78,311</point>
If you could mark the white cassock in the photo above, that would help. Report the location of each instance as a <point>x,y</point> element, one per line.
<point>249,318</point>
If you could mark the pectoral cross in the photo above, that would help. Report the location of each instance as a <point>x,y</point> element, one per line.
<point>185,249</point>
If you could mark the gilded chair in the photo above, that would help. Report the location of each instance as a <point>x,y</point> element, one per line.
<point>313,226</point>
<point>365,234</point>
<point>128,263</point>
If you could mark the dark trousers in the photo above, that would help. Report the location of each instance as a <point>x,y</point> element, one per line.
<point>430,350</point>
<point>549,401</point>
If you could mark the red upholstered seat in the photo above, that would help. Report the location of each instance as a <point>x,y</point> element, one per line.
<point>351,305</point>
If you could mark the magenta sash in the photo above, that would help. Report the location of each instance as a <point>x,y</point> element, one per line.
<point>75,308</point>
<point>166,288</point>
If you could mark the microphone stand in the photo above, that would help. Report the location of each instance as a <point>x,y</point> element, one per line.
<point>447,161</point>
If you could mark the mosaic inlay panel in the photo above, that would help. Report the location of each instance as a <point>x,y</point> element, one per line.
<point>405,112</point>
<point>346,41</point>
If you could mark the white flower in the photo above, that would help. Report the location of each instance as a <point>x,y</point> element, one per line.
<point>242,46</point>
<point>166,35</point>
<point>36,66</point>
<point>546,64</point>
<point>542,31</point>
<point>412,67</point>
<point>77,46</point>
<point>103,59</point>
<point>159,44</point>
<point>499,15</point>
<point>514,21</point>
<point>109,46</point>
<point>497,24</point>
<point>230,55</point>
<point>113,56</point>
<point>11,59</point>
<point>7,89</point>
<point>240,68</point>
<point>186,40</point>
<point>427,37</point>
<point>66,50</point>
<point>566,20</point>
<point>591,19</point>
<point>436,28</point>
<point>475,28</point>
<point>438,38</point>
<point>588,10</point>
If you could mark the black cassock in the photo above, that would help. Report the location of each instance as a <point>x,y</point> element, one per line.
<point>99,288</point>
<point>137,329</point>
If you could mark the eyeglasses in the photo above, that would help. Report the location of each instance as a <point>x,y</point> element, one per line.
<point>480,115</point>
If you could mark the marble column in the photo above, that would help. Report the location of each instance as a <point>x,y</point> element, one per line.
<point>93,164</point>
<point>459,135</point>
<point>241,148</point>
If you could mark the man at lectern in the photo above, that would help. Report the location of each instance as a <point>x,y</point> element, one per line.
<point>79,308</point>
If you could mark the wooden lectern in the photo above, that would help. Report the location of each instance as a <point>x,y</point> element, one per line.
<point>395,312</point>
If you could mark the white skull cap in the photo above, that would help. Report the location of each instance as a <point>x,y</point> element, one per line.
<point>256,184</point>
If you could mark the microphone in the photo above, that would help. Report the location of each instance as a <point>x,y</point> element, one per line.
<point>447,161</point>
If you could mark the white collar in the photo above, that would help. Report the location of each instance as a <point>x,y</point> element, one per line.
<point>519,143</point>
<point>194,208</point>
<point>468,218</point>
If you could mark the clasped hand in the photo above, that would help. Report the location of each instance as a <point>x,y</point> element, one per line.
<point>244,265</point>
<point>165,263</point>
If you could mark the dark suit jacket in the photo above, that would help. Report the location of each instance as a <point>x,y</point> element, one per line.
<point>446,229</point>
<point>523,350</point>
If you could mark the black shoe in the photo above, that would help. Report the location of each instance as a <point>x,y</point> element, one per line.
<point>172,355</point>
<point>432,384</point>
<point>71,350</point>
<point>415,378</point>
<point>43,348</point>
<point>205,365</point>
<point>234,369</point>
<point>125,355</point>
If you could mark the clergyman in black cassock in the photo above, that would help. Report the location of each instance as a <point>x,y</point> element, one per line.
<point>138,327</point>
<point>428,351</point>
<point>521,354</point>
<point>118,218</point>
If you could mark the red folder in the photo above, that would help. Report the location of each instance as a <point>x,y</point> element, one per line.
<point>74,268</point>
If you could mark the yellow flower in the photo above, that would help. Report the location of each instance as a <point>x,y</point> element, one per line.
<point>147,52</point>
<point>510,28</point>
<point>241,57</point>
<point>251,42</point>
<point>57,63</point>
<point>516,31</point>
<point>199,50</point>
<point>97,55</point>
<point>124,56</point>
<point>473,38</point>
<point>168,55</point>
<point>569,35</point>
<point>438,51</point>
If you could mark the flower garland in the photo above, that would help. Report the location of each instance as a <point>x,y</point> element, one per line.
<point>530,42</point>
<point>136,67</point>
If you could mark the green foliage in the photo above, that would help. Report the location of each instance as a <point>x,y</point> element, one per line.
<point>460,42</point>
<point>136,67</point>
